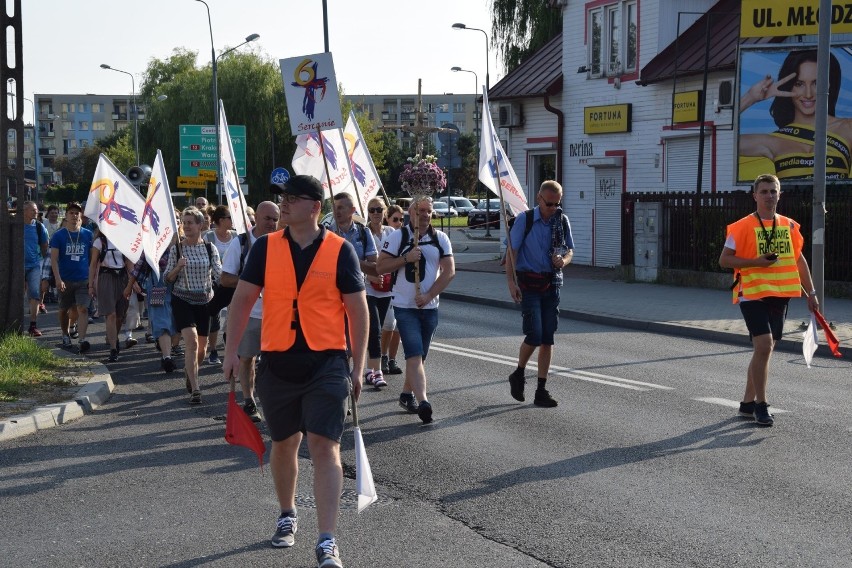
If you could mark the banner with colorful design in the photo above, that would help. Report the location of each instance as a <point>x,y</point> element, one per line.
<point>116,206</point>
<point>361,164</point>
<point>308,160</point>
<point>158,218</point>
<point>230,179</point>
<point>495,171</point>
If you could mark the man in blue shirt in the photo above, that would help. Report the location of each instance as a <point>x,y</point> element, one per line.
<point>70,248</point>
<point>35,249</point>
<point>356,233</point>
<point>540,250</point>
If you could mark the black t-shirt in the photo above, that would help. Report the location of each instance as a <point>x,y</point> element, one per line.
<point>349,276</point>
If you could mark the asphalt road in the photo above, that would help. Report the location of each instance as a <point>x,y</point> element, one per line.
<point>644,463</point>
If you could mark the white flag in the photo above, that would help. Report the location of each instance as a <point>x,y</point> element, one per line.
<point>116,207</point>
<point>364,484</point>
<point>308,160</point>
<point>810,342</point>
<point>361,163</point>
<point>158,218</point>
<point>229,177</point>
<point>495,171</point>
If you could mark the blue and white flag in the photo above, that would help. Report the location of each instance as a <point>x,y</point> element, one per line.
<point>495,171</point>
<point>158,218</point>
<point>229,177</point>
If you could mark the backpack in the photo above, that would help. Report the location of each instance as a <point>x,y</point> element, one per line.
<point>406,239</point>
<point>362,234</point>
<point>104,248</point>
<point>209,248</point>
<point>528,220</point>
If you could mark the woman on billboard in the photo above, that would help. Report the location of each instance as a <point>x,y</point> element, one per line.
<point>791,147</point>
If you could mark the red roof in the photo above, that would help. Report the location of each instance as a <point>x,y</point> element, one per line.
<point>685,56</point>
<point>539,75</point>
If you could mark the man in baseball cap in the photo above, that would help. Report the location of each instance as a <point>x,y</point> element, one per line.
<point>306,187</point>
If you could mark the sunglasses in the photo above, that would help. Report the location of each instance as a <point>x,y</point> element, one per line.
<point>375,209</point>
<point>396,219</point>
<point>289,198</point>
<point>228,217</point>
<point>549,204</point>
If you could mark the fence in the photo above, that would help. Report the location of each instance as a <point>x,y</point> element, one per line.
<point>693,227</point>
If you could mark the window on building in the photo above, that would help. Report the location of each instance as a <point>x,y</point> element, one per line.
<point>84,143</point>
<point>613,32</point>
<point>96,107</point>
<point>458,107</point>
<point>64,108</point>
<point>81,107</point>
<point>84,125</point>
<point>66,125</point>
<point>98,125</point>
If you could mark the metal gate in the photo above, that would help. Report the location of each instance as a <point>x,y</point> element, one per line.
<point>607,228</point>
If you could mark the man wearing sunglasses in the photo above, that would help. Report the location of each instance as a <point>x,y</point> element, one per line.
<point>541,247</point>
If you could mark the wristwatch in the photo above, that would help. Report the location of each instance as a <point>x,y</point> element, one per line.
<point>813,293</point>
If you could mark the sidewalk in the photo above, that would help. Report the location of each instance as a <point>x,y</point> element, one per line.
<point>593,295</point>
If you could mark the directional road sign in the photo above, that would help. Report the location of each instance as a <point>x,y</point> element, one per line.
<point>198,148</point>
<point>191,183</point>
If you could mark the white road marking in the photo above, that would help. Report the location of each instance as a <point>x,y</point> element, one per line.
<point>555,369</point>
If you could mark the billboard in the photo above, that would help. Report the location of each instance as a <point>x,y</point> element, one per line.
<point>777,113</point>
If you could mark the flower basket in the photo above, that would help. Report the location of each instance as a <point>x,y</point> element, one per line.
<point>422,176</point>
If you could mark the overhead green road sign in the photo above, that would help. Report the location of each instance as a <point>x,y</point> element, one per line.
<point>198,148</point>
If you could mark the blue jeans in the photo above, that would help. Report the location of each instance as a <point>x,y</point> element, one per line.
<point>416,328</point>
<point>541,316</point>
<point>33,278</point>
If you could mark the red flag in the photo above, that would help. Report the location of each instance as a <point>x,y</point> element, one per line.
<point>241,431</point>
<point>830,338</point>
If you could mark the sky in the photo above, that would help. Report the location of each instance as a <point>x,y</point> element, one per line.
<point>379,46</point>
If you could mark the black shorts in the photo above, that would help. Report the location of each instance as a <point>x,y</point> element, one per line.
<point>309,397</point>
<point>190,315</point>
<point>765,316</point>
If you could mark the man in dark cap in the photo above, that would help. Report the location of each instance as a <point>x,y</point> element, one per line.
<point>311,286</point>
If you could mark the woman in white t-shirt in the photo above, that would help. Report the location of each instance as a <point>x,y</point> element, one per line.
<point>220,236</point>
<point>378,296</point>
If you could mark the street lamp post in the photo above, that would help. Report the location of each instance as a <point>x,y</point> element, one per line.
<point>459,26</point>
<point>135,112</point>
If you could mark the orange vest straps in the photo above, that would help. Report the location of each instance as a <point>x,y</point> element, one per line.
<point>317,309</point>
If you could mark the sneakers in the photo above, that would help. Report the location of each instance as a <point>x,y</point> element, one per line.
<point>73,331</point>
<point>368,377</point>
<point>747,409</point>
<point>250,408</point>
<point>543,398</point>
<point>42,309</point>
<point>168,364</point>
<point>66,342</point>
<point>149,338</point>
<point>285,532</point>
<point>424,411</point>
<point>761,414</point>
<point>129,342</point>
<point>408,402</point>
<point>34,331</point>
<point>327,554</point>
<point>379,380</point>
<point>214,358</point>
<point>195,398</point>
<point>84,346</point>
<point>385,369</point>
<point>113,355</point>
<point>177,350</point>
<point>393,368</point>
<point>516,384</point>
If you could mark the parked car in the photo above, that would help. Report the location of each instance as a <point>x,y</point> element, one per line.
<point>460,204</point>
<point>476,217</point>
<point>441,209</point>
<point>404,202</point>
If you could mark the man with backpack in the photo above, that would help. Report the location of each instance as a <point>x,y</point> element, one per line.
<point>542,246</point>
<point>35,249</point>
<point>267,219</point>
<point>416,305</point>
<point>108,270</point>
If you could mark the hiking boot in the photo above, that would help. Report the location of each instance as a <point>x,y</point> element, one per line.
<point>516,384</point>
<point>73,331</point>
<point>129,342</point>
<point>424,411</point>
<point>393,368</point>
<point>214,358</point>
<point>385,369</point>
<point>84,346</point>
<point>368,378</point>
<point>379,380</point>
<point>747,409</point>
<point>285,532</point>
<point>761,414</point>
<point>250,408</point>
<point>328,555</point>
<point>408,402</point>
<point>113,355</point>
<point>168,364</point>
<point>543,398</point>
<point>34,331</point>
<point>195,398</point>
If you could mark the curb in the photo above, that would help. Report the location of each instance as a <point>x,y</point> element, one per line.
<point>87,400</point>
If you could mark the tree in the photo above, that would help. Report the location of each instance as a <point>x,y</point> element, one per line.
<point>80,167</point>
<point>252,92</point>
<point>467,175</point>
<point>520,27</point>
